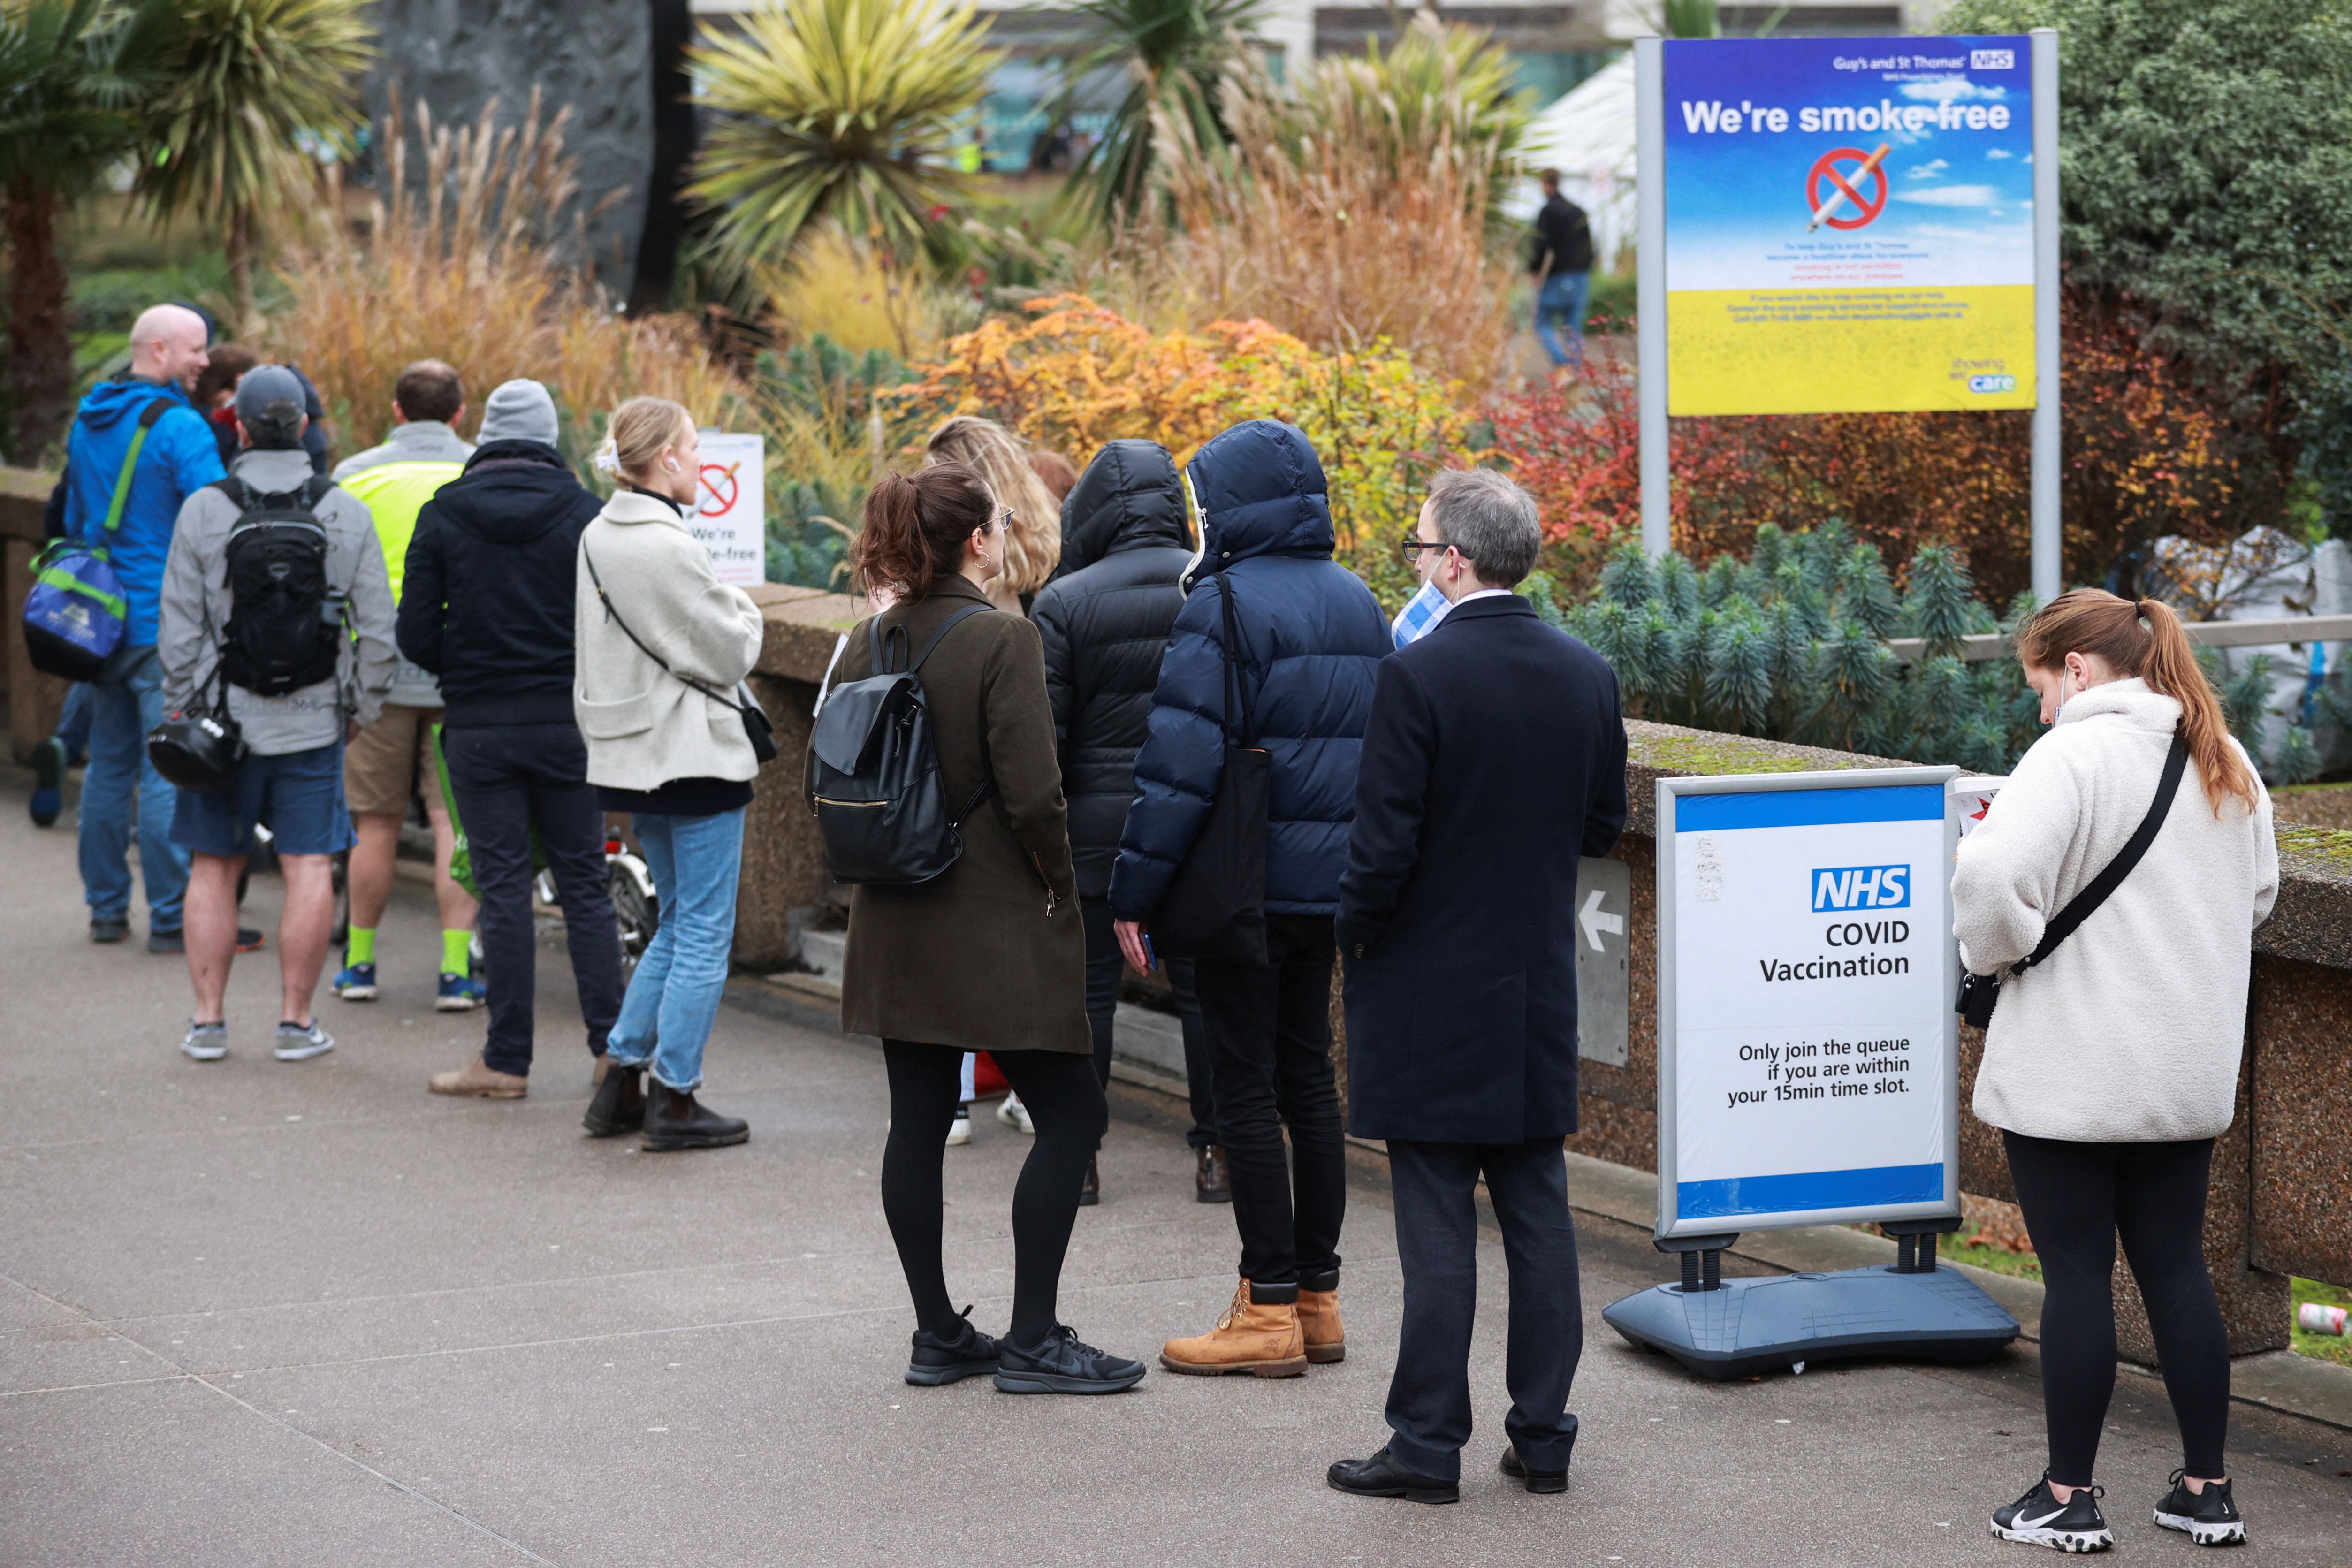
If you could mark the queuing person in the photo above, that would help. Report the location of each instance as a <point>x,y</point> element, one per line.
<point>1311,637</point>
<point>66,746</point>
<point>392,760</point>
<point>1104,620</point>
<point>487,605</point>
<point>663,645</point>
<point>214,393</point>
<point>2112,1061</point>
<point>1494,758</point>
<point>172,460</point>
<point>1032,513</point>
<point>988,954</point>
<point>332,635</point>
<point>1561,261</point>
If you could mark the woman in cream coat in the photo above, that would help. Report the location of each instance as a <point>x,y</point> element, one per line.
<point>2111,1067</point>
<point>663,645</point>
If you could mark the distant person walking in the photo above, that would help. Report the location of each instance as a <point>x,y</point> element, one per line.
<point>1105,620</point>
<point>986,957</point>
<point>300,659</point>
<point>487,605</point>
<point>1309,638</point>
<point>392,760</point>
<point>2111,1064</point>
<point>1561,261</point>
<point>664,645</point>
<point>1494,760</point>
<point>139,441</point>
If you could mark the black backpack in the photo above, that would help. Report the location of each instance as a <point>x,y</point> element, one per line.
<point>874,773</point>
<point>286,621</point>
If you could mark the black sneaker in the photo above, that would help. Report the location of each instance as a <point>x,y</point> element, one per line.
<point>1063,1366</point>
<point>106,929</point>
<point>2039,1519</point>
<point>2210,1518</point>
<point>939,1359</point>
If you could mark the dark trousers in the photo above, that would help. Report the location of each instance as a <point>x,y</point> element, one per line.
<point>508,779</point>
<point>2076,1197</point>
<point>1105,965</point>
<point>1437,1243</point>
<point>1269,1029</point>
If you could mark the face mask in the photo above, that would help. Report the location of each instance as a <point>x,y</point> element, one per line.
<point>2059,711</point>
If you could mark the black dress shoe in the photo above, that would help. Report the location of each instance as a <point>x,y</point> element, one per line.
<point>675,1121</point>
<point>620,1103</point>
<point>1062,1364</point>
<point>1090,1190</point>
<point>1538,1480</point>
<point>1213,1179</point>
<point>950,1358</point>
<point>1381,1476</point>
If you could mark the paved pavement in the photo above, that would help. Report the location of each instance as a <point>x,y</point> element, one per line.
<point>254,1313</point>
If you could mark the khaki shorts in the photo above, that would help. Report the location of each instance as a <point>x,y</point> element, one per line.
<point>390,760</point>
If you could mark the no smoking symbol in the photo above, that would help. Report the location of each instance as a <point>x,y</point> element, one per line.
<point>1823,203</point>
<point>720,489</point>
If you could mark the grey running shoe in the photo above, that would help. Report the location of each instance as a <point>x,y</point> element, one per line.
<point>206,1042</point>
<point>300,1042</point>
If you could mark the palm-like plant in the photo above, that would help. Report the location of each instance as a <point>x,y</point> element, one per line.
<point>71,75</point>
<point>254,75</point>
<point>1175,53</point>
<point>835,109</point>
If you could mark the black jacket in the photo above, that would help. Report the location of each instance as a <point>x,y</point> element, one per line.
<point>1563,241</point>
<point>1105,619</point>
<point>1494,758</point>
<point>486,604</point>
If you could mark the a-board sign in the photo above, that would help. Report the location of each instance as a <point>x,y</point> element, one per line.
<point>1604,909</point>
<point>1848,224</point>
<point>732,511</point>
<point>1807,1052</point>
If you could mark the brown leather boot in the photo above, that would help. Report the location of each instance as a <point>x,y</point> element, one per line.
<point>1319,1326</point>
<point>1257,1337</point>
<point>481,1081</point>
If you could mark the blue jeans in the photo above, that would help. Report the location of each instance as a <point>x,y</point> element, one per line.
<point>126,700</point>
<point>73,724</point>
<point>673,996</point>
<point>1562,297</point>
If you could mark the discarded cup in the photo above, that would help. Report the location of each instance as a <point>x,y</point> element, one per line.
<point>2312,1317</point>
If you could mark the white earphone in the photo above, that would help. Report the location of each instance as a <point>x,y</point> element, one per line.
<point>670,463</point>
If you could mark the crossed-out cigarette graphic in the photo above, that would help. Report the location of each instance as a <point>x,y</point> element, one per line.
<point>1838,198</point>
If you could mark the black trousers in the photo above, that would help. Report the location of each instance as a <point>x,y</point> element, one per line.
<point>2076,1198</point>
<point>1105,965</point>
<point>1065,1101</point>
<point>1270,1059</point>
<point>1437,1243</point>
<point>508,779</point>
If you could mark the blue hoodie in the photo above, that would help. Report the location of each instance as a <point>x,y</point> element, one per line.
<point>180,458</point>
<point>1313,637</point>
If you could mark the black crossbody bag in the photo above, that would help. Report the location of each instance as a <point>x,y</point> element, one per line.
<point>1979,993</point>
<point>756,726</point>
<point>1216,903</point>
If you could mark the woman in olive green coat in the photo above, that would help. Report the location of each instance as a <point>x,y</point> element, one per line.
<point>988,956</point>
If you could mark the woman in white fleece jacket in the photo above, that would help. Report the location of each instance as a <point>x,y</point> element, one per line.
<point>2111,1065</point>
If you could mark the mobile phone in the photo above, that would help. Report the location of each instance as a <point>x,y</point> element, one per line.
<point>1152,958</point>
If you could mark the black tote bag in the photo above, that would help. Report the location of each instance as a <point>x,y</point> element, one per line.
<point>1215,904</point>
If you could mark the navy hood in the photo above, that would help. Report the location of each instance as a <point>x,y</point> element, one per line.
<point>513,491</point>
<point>1129,499</point>
<point>1261,491</point>
<point>112,402</point>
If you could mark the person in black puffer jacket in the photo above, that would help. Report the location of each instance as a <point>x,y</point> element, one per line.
<point>1105,619</point>
<point>486,605</point>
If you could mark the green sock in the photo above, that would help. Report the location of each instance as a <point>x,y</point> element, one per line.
<point>361,948</point>
<point>457,952</point>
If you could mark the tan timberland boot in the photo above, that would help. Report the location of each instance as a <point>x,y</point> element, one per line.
<point>1320,1325</point>
<point>481,1081</point>
<point>1257,1337</point>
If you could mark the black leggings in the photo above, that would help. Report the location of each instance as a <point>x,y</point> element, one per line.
<point>1064,1100</point>
<point>2076,1197</point>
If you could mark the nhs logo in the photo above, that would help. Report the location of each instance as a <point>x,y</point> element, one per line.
<point>1862,887</point>
<point>1992,59</point>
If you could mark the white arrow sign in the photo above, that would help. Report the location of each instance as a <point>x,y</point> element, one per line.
<point>1594,922</point>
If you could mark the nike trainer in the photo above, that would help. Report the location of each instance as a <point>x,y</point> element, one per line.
<point>2039,1519</point>
<point>2210,1518</point>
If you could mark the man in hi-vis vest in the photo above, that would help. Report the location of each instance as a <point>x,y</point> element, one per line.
<point>394,758</point>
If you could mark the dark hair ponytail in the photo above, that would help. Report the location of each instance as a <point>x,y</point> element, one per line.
<point>916,525</point>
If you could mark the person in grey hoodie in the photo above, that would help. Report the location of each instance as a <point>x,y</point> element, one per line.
<point>293,775</point>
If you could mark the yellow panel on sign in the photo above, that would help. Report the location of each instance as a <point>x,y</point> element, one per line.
<point>1738,351</point>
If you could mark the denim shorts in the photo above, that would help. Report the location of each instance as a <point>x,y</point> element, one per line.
<point>299,796</point>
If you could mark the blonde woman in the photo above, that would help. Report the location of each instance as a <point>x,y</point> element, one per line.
<point>1032,516</point>
<point>663,647</point>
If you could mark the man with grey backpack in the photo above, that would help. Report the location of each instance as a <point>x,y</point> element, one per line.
<point>277,620</point>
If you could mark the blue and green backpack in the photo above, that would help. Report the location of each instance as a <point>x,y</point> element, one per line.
<point>76,613</point>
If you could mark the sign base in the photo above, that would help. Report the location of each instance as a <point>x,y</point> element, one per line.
<point>1748,1326</point>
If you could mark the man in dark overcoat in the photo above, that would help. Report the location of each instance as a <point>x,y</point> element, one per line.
<point>1494,758</point>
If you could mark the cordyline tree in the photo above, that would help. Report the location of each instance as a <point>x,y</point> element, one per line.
<point>73,75</point>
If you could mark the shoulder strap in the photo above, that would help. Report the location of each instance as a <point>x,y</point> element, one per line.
<point>945,627</point>
<point>147,418</point>
<point>1236,676</point>
<point>2082,905</point>
<point>615,616</point>
<point>315,488</point>
<point>239,495</point>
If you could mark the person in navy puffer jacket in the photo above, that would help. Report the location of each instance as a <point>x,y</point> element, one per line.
<point>1312,639</point>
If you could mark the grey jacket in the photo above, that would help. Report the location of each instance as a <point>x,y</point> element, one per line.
<point>418,441</point>
<point>197,605</point>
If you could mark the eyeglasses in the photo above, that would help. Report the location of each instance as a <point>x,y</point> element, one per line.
<point>1006,516</point>
<point>1412,544</point>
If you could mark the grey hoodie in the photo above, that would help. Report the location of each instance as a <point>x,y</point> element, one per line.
<point>196,603</point>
